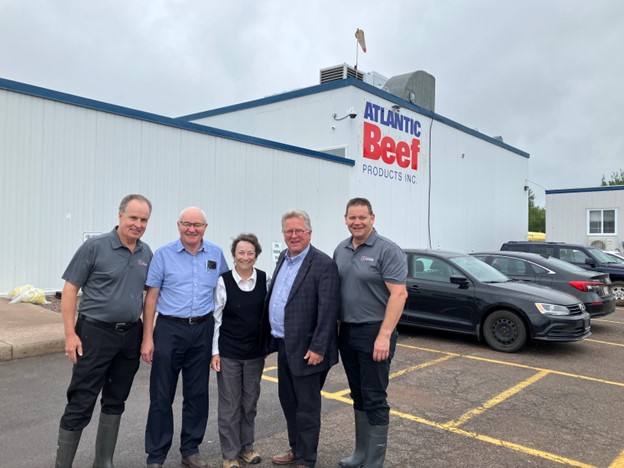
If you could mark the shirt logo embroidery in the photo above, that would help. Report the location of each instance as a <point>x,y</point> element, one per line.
<point>142,262</point>
<point>364,258</point>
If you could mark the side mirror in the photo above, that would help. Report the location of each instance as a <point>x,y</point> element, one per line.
<point>591,262</point>
<point>462,281</point>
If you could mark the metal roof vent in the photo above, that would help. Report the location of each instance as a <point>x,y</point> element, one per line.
<point>340,72</point>
<point>417,87</point>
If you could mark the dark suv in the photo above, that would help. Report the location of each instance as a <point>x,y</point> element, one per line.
<point>586,257</point>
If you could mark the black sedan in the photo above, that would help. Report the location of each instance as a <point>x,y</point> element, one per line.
<point>591,287</point>
<point>459,293</point>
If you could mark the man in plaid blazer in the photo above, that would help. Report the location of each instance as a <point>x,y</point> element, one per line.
<point>301,313</point>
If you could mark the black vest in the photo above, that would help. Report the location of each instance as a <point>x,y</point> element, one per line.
<point>239,335</point>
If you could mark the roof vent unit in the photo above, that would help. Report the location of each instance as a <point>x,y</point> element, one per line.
<point>375,79</point>
<point>340,72</point>
<point>416,87</point>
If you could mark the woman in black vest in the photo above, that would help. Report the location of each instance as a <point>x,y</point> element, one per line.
<point>237,356</point>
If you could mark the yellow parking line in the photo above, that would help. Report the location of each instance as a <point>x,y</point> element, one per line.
<point>618,462</point>
<point>419,366</point>
<point>451,427</point>
<point>605,342</point>
<point>513,364</point>
<point>496,400</point>
<point>606,321</point>
<point>494,441</point>
<point>270,368</point>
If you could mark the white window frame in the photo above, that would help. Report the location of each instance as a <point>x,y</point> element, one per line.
<point>602,233</point>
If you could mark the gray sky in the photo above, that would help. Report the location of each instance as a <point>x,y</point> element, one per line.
<point>546,75</point>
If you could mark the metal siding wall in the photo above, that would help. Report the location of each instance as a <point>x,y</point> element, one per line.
<point>566,215</point>
<point>65,169</point>
<point>478,197</point>
<point>477,202</point>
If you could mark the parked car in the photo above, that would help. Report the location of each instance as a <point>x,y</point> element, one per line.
<point>589,258</point>
<point>456,292</point>
<point>615,255</point>
<point>591,287</point>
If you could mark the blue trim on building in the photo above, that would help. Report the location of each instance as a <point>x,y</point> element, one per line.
<point>65,98</point>
<point>586,189</point>
<point>332,85</point>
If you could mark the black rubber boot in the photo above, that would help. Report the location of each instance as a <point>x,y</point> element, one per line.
<point>106,440</point>
<point>66,450</point>
<point>376,450</point>
<point>361,440</point>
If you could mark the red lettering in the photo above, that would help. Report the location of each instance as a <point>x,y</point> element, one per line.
<point>372,134</point>
<point>390,152</point>
<point>387,149</point>
<point>403,154</point>
<point>415,153</point>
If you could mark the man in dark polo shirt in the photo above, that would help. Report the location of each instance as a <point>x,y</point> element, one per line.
<point>181,284</point>
<point>373,272</point>
<point>105,342</point>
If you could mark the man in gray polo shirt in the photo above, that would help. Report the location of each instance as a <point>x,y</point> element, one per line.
<point>104,344</point>
<point>373,272</point>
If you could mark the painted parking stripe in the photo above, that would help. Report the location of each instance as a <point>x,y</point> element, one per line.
<point>607,321</point>
<point>513,364</point>
<point>604,342</point>
<point>452,426</point>
<point>618,462</point>
<point>496,400</point>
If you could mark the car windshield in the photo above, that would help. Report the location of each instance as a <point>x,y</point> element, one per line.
<point>600,255</point>
<point>480,270</point>
<point>615,258</point>
<point>569,267</point>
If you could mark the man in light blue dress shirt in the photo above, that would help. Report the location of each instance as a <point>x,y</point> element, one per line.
<point>181,282</point>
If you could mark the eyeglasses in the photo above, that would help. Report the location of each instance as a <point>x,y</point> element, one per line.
<point>186,224</point>
<point>296,232</point>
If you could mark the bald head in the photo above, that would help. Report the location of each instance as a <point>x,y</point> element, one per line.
<point>192,211</point>
<point>192,226</point>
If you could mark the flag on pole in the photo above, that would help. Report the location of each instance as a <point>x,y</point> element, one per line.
<point>359,35</point>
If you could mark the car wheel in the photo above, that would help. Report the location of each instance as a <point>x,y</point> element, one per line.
<point>505,331</point>
<point>617,287</point>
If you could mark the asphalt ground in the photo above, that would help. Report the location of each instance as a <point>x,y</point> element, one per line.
<point>455,403</point>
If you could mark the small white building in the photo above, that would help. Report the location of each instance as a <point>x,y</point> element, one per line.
<point>590,216</point>
<point>66,161</point>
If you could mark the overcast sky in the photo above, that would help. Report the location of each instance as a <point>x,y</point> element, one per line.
<point>545,75</point>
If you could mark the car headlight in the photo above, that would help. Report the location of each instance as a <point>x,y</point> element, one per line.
<point>552,309</point>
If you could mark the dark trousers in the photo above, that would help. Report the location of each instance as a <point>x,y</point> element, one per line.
<point>368,379</point>
<point>300,398</point>
<point>109,362</point>
<point>184,347</point>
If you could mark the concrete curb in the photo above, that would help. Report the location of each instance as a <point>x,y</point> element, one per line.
<point>28,330</point>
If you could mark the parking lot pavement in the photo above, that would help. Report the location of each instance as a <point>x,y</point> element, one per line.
<point>455,402</point>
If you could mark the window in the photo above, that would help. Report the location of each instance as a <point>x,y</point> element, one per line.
<point>601,222</point>
<point>432,269</point>
<point>573,255</point>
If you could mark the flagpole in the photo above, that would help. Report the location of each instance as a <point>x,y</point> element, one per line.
<point>357,50</point>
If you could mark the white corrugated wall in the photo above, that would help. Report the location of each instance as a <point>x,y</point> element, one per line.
<point>65,168</point>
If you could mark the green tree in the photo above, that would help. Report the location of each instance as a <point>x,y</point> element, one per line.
<point>537,215</point>
<point>617,178</point>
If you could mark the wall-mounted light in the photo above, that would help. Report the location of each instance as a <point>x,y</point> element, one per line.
<point>351,115</point>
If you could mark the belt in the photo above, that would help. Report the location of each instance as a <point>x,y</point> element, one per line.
<point>361,324</point>
<point>189,320</point>
<point>117,326</point>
